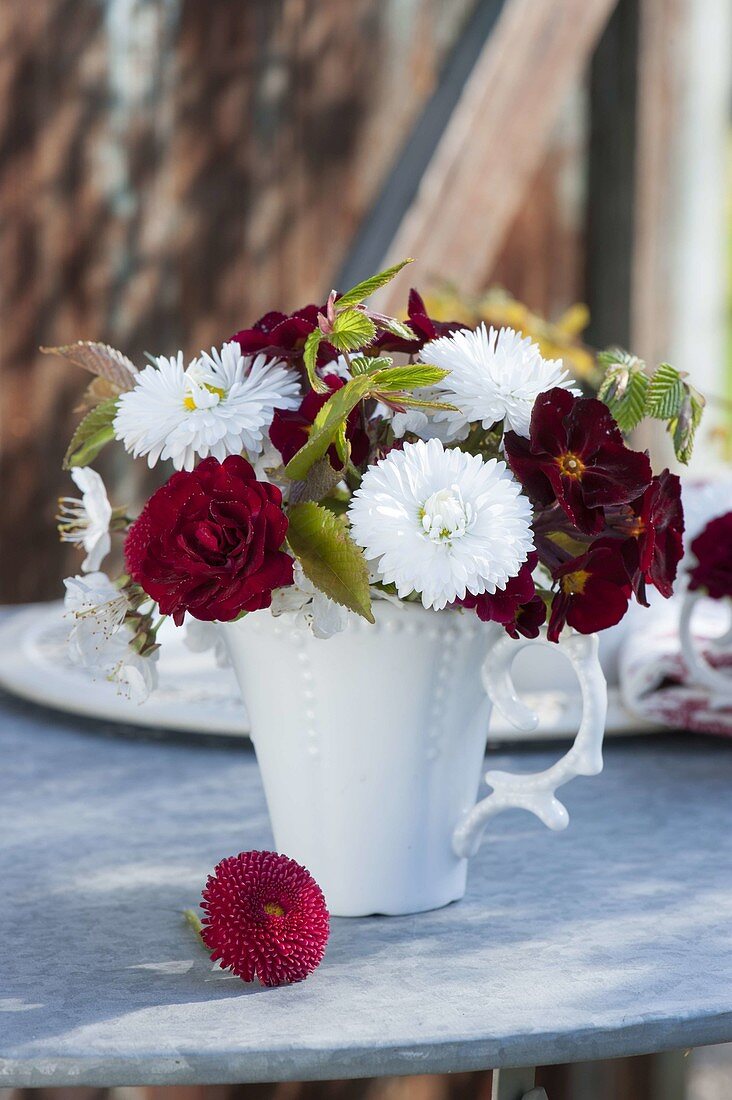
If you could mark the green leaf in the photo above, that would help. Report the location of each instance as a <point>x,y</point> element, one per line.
<point>683,427</point>
<point>310,358</point>
<point>327,423</point>
<point>329,558</point>
<point>666,392</point>
<point>363,290</point>
<point>93,433</point>
<point>393,326</point>
<point>369,364</point>
<point>321,479</point>
<point>342,446</point>
<point>414,376</point>
<point>351,331</point>
<point>624,389</point>
<point>418,403</point>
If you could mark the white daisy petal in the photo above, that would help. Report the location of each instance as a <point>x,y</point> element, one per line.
<point>441,522</point>
<point>494,375</point>
<point>222,404</point>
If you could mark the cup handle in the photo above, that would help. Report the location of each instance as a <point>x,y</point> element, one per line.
<point>702,672</point>
<point>536,792</point>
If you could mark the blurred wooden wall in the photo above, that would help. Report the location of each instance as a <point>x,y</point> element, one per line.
<point>169,170</point>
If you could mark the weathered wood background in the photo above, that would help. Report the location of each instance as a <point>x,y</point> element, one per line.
<point>169,170</point>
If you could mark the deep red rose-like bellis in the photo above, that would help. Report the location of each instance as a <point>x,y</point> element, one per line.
<point>266,917</point>
<point>209,542</point>
<point>575,455</point>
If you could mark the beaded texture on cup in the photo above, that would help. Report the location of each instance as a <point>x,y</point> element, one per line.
<point>265,917</point>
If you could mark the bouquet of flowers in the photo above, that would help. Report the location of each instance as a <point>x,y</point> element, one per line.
<point>338,456</point>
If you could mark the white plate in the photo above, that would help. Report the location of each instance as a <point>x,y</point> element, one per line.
<point>196,696</point>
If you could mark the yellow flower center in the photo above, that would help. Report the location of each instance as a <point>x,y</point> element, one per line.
<point>571,465</point>
<point>189,401</point>
<point>574,583</point>
<point>272,909</point>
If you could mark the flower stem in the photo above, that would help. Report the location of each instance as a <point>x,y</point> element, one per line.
<point>191,917</point>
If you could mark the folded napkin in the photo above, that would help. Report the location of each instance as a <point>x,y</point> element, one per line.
<point>654,681</point>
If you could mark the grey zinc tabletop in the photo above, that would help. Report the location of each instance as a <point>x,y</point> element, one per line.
<point>612,938</point>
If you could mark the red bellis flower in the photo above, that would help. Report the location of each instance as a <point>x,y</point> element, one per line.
<point>575,455</point>
<point>713,552</point>
<point>266,917</point>
<point>593,591</point>
<point>209,542</point>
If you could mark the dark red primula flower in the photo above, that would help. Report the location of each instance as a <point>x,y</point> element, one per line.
<point>290,429</point>
<point>266,917</point>
<point>593,591</point>
<point>656,547</point>
<point>713,552</point>
<point>425,328</point>
<point>516,607</point>
<point>209,542</point>
<point>576,455</point>
<point>283,335</point>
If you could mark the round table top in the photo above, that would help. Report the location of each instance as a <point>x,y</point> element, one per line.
<point>612,938</point>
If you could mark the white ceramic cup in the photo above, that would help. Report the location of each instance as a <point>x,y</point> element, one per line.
<point>371,746</point>
<point>701,672</point>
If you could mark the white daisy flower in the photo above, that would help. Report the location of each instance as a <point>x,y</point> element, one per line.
<point>222,404</point>
<point>99,639</point>
<point>85,522</point>
<point>494,375</point>
<point>441,522</point>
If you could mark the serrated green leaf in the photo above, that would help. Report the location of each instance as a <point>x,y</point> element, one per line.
<point>411,402</point>
<point>321,479</point>
<point>393,326</point>
<point>361,291</point>
<point>368,364</point>
<point>93,433</point>
<point>616,356</point>
<point>342,446</point>
<point>351,331</point>
<point>325,428</point>
<point>624,389</point>
<point>414,376</point>
<point>666,392</point>
<point>329,558</point>
<point>310,359</point>
<point>683,428</point>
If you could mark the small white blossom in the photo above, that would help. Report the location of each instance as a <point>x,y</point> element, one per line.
<point>495,375</point>
<point>85,522</point>
<point>100,639</point>
<point>324,616</point>
<point>222,404</point>
<point>136,676</point>
<point>200,637</point>
<point>441,522</point>
<point>98,609</point>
